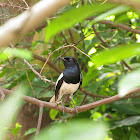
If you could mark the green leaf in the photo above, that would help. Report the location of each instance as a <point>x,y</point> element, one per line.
<point>53,113</point>
<point>16,52</point>
<point>30,131</point>
<point>73,16</point>
<point>2,73</point>
<point>3,56</point>
<point>9,107</point>
<point>133,136</point>
<point>126,122</point>
<point>16,129</point>
<point>115,54</point>
<point>129,82</point>
<point>130,108</point>
<point>116,10</point>
<point>92,73</point>
<point>75,130</point>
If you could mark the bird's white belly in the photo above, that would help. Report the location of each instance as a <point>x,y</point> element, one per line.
<point>68,88</point>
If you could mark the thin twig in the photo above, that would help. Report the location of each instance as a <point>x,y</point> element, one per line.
<point>102,46</point>
<point>39,119</point>
<point>66,41</point>
<point>83,100</point>
<point>62,47</point>
<point>49,62</point>
<point>74,44</point>
<point>41,77</point>
<point>104,1</point>
<point>26,4</point>
<point>125,64</point>
<point>92,94</point>
<point>98,36</point>
<point>70,48</point>
<point>13,6</point>
<point>123,67</point>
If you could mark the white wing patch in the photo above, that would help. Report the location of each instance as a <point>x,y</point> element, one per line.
<point>61,75</point>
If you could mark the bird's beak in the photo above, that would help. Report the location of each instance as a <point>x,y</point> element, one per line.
<point>62,58</point>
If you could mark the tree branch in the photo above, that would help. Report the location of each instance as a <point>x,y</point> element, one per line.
<point>72,110</point>
<point>29,20</point>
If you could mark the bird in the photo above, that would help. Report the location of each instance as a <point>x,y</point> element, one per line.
<point>69,80</point>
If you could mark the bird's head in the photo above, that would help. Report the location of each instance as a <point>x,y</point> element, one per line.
<point>69,61</point>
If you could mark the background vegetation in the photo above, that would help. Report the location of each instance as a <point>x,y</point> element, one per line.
<point>104,37</point>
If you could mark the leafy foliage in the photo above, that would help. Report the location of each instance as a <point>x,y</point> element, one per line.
<point>114,51</point>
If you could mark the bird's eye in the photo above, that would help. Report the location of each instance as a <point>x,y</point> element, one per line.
<point>70,59</point>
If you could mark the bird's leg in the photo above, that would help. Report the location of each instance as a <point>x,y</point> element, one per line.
<point>75,107</point>
<point>62,106</point>
<point>60,101</point>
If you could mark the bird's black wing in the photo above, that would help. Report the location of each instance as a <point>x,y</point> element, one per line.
<point>58,85</point>
<point>81,79</point>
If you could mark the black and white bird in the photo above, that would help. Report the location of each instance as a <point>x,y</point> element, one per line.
<point>69,80</point>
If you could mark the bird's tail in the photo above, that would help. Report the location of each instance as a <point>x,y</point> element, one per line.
<point>52,100</point>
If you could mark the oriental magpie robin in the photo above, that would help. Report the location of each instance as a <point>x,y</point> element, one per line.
<point>69,80</point>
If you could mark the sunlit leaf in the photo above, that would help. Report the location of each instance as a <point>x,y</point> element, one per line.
<point>53,113</point>
<point>129,82</point>
<point>15,52</point>
<point>115,54</point>
<point>73,16</point>
<point>76,130</point>
<point>3,56</point>
<point>16,129</point>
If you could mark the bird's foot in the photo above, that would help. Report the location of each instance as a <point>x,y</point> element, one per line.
<point>63,108</point>
<point>76,109</point>
<point>58,102</point>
